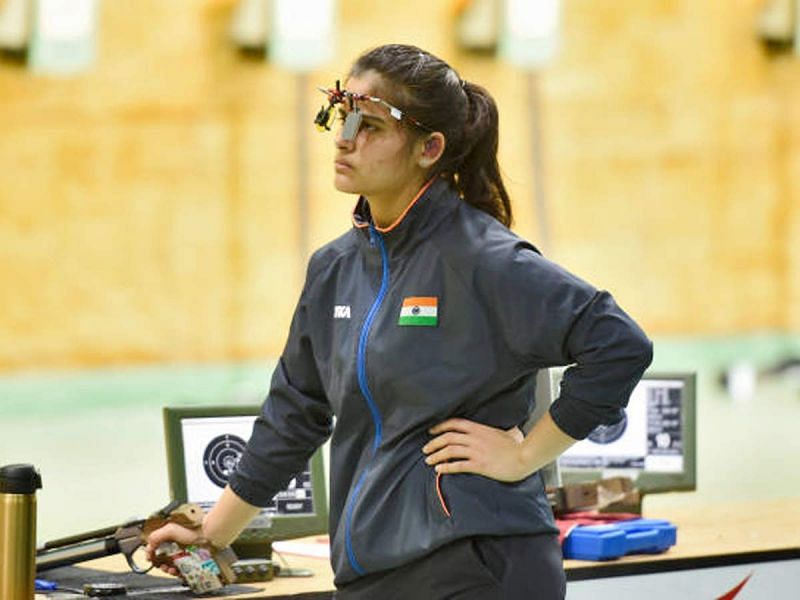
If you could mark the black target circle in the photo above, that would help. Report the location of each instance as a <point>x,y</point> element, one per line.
<point>221,456</point>
<point>607,434</point>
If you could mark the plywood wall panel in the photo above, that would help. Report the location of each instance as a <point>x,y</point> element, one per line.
<point>98,231</point>
<point>149,212</point>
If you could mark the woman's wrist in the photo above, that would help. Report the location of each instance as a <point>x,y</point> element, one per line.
<point>544,444</point>
<point>209,543</point>
<point>529,459</point>
<point>208,537</point>
<point>230,515</point>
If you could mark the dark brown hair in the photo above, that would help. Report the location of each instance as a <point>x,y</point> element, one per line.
<point>430,91</point>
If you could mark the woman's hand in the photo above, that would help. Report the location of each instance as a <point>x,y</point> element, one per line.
<point>221,526</point>
<point>464,446</point>
<point>171,532</point>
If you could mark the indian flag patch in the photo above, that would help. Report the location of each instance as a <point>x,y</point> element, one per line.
<point>419,310</point>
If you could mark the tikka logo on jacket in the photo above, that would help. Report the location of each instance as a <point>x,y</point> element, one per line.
<point>341,311</point>
<point>419,311</point>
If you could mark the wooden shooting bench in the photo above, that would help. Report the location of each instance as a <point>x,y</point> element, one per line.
<point>717,549</point>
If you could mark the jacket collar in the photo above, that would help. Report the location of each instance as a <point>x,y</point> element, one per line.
<point>435,200</point>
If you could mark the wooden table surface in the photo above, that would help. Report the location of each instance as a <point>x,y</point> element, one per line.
<point>728,529</point>
<point>724,529</point>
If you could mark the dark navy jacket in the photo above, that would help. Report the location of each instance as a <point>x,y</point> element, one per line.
<point>502,313</point>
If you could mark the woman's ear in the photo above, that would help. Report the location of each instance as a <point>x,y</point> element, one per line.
<point>432,149</point>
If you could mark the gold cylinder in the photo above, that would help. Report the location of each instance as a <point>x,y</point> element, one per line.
<point>17,546</point>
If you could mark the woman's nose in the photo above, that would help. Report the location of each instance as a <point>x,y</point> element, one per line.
<point>340,142</point>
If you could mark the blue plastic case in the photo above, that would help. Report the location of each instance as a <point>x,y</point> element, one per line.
<point>605,542</point>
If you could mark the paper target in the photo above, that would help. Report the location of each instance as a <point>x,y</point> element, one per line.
<point>212,447</point>
<point>221,456</point>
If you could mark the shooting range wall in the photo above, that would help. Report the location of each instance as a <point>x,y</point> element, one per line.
<point>149,208</point>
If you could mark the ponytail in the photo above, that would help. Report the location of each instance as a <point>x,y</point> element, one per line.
<point>477,176</point>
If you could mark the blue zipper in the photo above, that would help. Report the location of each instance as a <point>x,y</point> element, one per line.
<point>374,237</point>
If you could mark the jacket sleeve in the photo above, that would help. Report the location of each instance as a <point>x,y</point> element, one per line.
<point>295,419</point>
<point>549,317</point>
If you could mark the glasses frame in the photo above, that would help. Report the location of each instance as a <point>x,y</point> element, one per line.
<point>352,123</point>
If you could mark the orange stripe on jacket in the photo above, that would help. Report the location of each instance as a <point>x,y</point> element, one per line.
<point>441,496</point>
<point>402,214</point>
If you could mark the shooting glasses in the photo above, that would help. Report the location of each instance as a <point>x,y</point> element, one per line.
<point>352,122</point>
